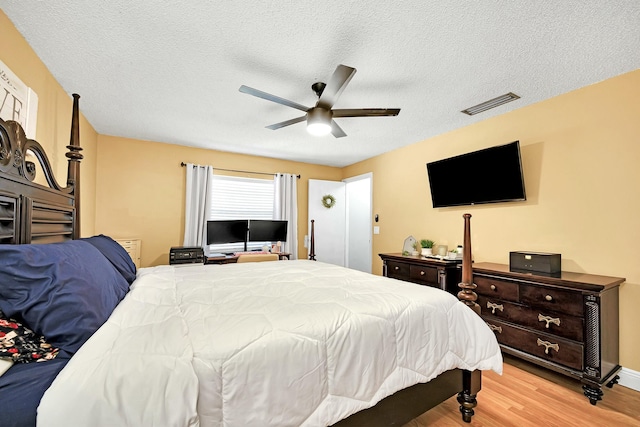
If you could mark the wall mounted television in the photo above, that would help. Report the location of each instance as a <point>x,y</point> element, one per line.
<point>490,175</point>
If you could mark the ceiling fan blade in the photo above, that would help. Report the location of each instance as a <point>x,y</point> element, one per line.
<point>272,98</point>
<point>338,81</point>
<point>336,130</point>
<point>287,123</point>
<point>366,112</point>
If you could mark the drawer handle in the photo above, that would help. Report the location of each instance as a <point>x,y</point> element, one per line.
<point>493,307</point>
<point>548,297</point>
<point>422,273</point>
<point>548,319</point>
<point>495,328</point>
<point>493,287</point>
<point>396,268</point>
<point>547,345</point>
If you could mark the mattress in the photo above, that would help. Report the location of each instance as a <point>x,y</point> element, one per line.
<point>263,344</point>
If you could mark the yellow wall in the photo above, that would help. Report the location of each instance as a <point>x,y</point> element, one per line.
<point>581,157</point>
<point>141,190</point>
<point>580,153</point>
<point>54,117</point>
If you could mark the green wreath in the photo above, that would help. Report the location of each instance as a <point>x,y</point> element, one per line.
<point>328,201</point>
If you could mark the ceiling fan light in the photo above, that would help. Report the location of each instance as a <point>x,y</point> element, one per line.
<point>319,121</point>
<point>318,129</point>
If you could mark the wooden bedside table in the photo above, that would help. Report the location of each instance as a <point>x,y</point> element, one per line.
<point>444,274</point>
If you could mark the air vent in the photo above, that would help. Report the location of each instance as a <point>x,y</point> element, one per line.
<point>492,103</point>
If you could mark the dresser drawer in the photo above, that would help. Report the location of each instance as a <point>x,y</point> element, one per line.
<point>398,270</point>
<point>438,273</point>
<point>128,244</point>
<point>563,325</point>
<point>424,274</point>
<point>548,347</point>
<point>496,288</point>
<point>132,246</point>
<point>555,300</point>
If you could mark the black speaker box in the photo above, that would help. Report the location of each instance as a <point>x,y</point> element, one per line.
<point>535,262</point>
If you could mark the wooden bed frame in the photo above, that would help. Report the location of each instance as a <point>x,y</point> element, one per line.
<point>34,213</point>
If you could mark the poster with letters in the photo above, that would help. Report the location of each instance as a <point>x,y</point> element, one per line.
<point>17,101</point>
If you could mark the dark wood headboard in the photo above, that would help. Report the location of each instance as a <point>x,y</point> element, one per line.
<point>32,212</point>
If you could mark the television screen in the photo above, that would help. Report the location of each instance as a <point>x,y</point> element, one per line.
<point>227,231</point>
<point>262,230</point>
<point>490,175</point>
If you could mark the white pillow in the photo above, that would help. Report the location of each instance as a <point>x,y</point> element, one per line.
<point>4,365</point>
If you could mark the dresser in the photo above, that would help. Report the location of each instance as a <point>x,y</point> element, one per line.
<point>444,274</point>
<point>566,322</point>
<point>132,246</point>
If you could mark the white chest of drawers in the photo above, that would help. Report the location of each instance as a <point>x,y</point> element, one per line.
<point>132,246</point>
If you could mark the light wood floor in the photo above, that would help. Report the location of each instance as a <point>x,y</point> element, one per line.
<point>526,395</point>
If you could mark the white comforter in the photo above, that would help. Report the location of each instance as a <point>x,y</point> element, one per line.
<point>262,344</point>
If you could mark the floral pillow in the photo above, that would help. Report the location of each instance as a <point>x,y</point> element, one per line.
<point>20,344</point>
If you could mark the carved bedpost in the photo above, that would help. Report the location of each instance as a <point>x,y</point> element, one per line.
<point>74,156</point>
<point>312,247</point>
<point>471,385</point>
<point>467,294</point>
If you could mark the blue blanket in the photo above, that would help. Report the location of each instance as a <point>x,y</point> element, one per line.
<point>22,387</point>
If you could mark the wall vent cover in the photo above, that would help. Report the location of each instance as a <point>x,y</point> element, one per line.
<point>492,103</point>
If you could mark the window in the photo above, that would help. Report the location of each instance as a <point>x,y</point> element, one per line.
<point>240,198</point>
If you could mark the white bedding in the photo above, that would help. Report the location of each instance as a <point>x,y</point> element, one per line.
<point>262,344</point>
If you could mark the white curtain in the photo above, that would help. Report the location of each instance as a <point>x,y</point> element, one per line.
<point>286,207</point>
<point>197,205</point>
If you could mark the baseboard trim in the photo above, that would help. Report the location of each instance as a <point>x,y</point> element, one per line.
<point>630,379</point>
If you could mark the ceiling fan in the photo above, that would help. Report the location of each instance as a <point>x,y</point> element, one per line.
<point>320,117</point>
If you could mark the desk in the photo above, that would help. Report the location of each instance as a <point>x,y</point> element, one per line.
<point>230,259</point>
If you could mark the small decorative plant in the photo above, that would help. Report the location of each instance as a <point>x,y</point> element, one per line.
<point>426,243</point>
<point>426,246</point>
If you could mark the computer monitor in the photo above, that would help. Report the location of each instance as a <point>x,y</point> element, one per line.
<point>227,231</point>
<point>267,230</point>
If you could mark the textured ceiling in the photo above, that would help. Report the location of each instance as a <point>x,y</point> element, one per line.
<point>170,71</point>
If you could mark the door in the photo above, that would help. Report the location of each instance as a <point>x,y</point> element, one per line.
<point>329,223</point>
<point>342,232</point>
<point>359,227</point>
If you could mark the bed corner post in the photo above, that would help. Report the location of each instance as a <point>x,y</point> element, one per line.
<point>471,384</point>
<point>74,156</point>
<point>471,380</point>
<point>312,247</point>
<point>467,294</point>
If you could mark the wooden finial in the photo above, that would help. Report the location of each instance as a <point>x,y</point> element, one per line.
<point>467,294</point>
<point>74,156</point>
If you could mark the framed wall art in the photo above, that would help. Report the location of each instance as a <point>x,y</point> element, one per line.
<point>18,102</point>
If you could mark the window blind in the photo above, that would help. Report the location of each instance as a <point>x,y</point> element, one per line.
<point>240,198</point>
